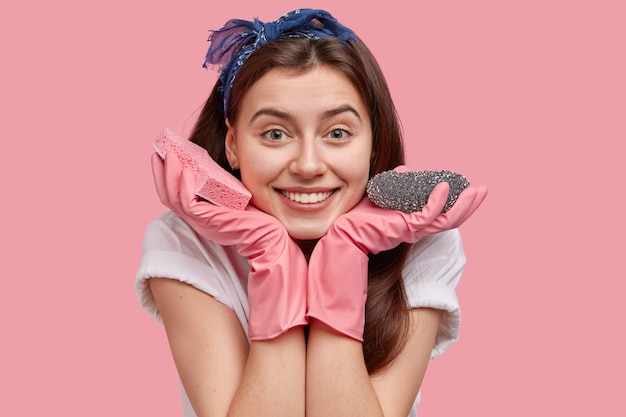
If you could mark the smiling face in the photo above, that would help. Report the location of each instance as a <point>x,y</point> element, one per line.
<point>303,144</point>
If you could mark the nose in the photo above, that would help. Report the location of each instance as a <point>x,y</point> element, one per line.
<point>309,161</point>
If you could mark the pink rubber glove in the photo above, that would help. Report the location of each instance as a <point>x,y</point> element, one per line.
<point>338,267</point>
<point>277,278</point>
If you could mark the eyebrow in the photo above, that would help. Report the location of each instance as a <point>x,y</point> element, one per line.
<point>287,116</point>
<point>268,111</point>
<point>341,109</point>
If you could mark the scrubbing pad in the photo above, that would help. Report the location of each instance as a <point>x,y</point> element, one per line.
<point>213,183</point>
<point>409,191</point>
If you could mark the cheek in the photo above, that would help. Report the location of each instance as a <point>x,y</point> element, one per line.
<point>255,168</point>
<point>257,172</point>
<point>357,170</point>
<point>253,179</point>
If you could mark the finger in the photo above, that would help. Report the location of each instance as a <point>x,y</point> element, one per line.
<point>463,208</point>
<point>402,168</point>
<point>455,215</point>
<point>187,189</point>
<point>173,169</point>
<point>423,220</point>
<point>481,194</point>
<point>158,175</point>
<point>467,203</point>
<point>436,201</point>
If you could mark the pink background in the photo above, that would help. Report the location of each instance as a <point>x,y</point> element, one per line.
<point>526,97</point>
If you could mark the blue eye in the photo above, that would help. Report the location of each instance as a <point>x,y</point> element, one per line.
<point>274,134</point>
<point>338,134</point>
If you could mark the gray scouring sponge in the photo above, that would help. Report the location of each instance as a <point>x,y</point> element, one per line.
<point>409,191</point>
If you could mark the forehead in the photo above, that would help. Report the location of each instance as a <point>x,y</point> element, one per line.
<point>318,86</point>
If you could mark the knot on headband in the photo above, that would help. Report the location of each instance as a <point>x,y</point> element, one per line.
<point>233,44</point>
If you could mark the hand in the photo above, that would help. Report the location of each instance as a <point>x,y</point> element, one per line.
<point>277,278</point>
<point>338,267</point>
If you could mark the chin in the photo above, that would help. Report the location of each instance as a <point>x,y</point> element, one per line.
<point>306,233</point>
<point>302,236</point>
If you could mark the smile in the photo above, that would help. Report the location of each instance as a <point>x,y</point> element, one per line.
<point>304,198</point>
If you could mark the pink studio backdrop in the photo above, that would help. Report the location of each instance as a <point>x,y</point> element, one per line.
<point>526,97</point>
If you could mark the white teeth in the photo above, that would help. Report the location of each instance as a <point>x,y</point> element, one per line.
<point>307,198</point>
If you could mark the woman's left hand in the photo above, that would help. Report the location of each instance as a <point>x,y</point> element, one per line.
<point>337,279</point>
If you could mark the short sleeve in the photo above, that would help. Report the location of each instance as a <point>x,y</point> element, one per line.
<point>431,275</point>
<point>171,249</point>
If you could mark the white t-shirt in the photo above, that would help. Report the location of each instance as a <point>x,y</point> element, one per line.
<point>172,249</point>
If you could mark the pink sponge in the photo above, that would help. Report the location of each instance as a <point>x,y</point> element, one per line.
<point>213,183</point>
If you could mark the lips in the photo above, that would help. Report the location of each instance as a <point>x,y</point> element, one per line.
<point>307,198</point>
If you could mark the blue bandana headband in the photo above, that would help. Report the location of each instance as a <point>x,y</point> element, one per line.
<point>233,44</point>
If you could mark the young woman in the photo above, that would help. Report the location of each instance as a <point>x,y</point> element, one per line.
<point>312,300</point>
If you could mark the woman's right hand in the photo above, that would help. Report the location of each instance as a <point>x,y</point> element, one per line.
<point>277,279</point>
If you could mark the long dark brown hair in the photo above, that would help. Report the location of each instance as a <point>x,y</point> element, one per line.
<point>386,311</point>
